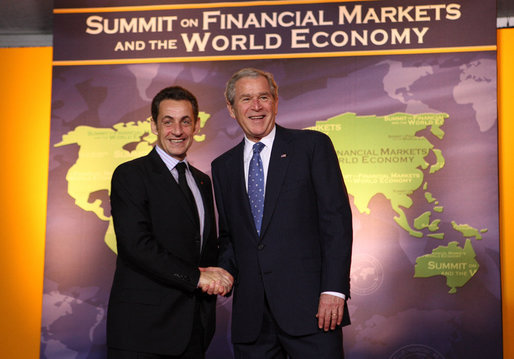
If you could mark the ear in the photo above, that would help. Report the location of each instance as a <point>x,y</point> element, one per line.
<point>153,126</point>
<point>230,110</point>
<point>197,126</point>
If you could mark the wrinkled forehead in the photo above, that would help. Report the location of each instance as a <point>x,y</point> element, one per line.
<point>252,85</point>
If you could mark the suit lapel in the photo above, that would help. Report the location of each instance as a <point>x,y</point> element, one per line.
<point>205,192</point>
<point>240,187</point>
<point>277,170</point>
<point>169,184</point>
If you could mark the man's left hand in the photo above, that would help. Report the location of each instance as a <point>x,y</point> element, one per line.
<point>330,311</point>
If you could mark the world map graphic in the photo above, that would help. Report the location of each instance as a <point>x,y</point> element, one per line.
<point>414,137</point>
<point>386,158</point>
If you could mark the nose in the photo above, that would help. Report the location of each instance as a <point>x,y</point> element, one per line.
<point>176,129</point>
<point>256,104</point>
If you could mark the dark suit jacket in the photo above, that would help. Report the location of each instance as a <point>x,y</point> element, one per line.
<point>306,235</point>
<point>154,290</point>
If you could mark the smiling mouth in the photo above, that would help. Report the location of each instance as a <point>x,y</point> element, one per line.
<point>178,140</point>
<point>256,117</point>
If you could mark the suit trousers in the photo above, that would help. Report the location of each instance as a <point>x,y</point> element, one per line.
<point>274,343</point>
<point>194,350</point>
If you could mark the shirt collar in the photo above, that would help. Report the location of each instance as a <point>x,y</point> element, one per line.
<point>168,160</point>
<point>267,140</point>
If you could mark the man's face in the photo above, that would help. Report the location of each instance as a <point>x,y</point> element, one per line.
<point>254,107</point>
<point>175,127</point>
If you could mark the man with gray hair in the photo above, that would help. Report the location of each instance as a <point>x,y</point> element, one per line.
<point>285,230</point>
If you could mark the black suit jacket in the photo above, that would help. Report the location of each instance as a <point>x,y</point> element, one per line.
<point>306,236</point>
<point>154,290</point>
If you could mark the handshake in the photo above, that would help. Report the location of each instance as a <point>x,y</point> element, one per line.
<point>215,280</point>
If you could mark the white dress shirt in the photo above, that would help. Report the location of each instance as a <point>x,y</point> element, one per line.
<point>265,155</point>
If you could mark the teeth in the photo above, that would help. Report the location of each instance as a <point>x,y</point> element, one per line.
<point>176,141</point>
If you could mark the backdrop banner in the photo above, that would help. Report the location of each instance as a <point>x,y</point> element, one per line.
<point>406,91</point>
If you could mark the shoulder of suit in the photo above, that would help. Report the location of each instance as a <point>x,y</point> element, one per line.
<point>302,134</point>
<point>228,154</point>
<point>134,164</point>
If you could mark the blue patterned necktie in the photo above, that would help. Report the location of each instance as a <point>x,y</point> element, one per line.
<point>256,185</point>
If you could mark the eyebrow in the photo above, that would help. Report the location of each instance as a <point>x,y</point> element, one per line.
<point>259,94</point>
<point>172,118</point>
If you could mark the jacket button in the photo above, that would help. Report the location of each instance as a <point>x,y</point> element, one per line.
<point>260,247</point>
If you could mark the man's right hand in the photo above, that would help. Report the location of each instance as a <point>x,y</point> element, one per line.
<point>215,280</point>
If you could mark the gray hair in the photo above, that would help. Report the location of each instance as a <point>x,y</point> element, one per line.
<point>230,89</point>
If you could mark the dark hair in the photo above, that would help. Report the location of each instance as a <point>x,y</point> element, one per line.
<point>230,91</point>
<point>176,93</point>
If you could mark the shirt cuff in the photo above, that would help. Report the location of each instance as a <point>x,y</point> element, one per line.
<point>337,294</point>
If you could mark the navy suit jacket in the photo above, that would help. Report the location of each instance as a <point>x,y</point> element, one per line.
<point>306,236</point>
<point>154,292</point>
